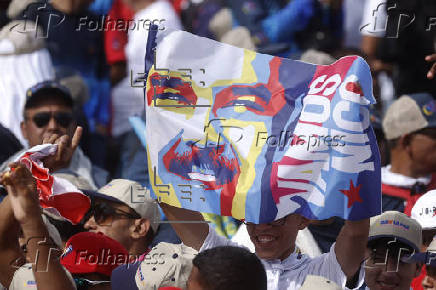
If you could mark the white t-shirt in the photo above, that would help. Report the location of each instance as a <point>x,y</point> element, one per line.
<point>290,273</point>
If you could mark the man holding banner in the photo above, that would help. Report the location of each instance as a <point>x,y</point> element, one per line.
<point>270,141</point>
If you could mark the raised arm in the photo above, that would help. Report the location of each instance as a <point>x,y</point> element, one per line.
<point>189,225</point>
<point>350,246</point>
<point>49,273</point>
<point>11,256</point>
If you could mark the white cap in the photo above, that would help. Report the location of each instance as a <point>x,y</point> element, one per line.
<point>133,195</point>
<point>398,225</point>
<point>318,282</point>
<point>424,210</point>
<point>167,265</point>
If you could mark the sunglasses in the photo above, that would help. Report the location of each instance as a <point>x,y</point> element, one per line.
<point>104,214</point>
<point>41,119</point>
<point>83,284</point>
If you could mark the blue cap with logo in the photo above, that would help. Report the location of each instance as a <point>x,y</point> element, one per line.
<point>45,89</point>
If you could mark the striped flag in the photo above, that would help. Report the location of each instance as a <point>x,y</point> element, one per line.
<point>55,193</point>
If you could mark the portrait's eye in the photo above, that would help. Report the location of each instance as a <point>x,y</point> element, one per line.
<point>172,91</point>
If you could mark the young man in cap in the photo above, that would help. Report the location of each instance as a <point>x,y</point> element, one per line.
<point>274,244</point>
<point>122,211</point>
<point>48,118</point>
<point>393,237</point>
<point>410,128</point>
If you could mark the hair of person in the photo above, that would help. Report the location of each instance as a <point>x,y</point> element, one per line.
<point>230,268</point>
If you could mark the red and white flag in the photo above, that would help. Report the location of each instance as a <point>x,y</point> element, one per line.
<point>54,192</point>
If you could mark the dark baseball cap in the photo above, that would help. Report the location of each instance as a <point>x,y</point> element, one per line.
<point>47,88</point>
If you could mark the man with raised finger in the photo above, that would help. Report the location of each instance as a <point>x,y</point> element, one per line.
<point>48,118</point>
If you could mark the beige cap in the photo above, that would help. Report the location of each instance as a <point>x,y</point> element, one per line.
<point>221,22</point>
<point>25,279</point>
<point>318,282</point>
<point>239,37</point>
<point>166,265</point>
<point>317,57</point>
<point>408,114</point>
<point>135,196</point>
<point>398,225</point>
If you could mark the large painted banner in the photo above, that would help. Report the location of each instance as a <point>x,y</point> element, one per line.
<point>257,137</point>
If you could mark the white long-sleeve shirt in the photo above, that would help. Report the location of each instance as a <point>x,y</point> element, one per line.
<point>290,273</point>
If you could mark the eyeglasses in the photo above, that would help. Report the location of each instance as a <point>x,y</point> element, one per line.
<point>83,284</point>
<point>41,119</point>
<point>394,252</point>
<point>104,214</point>
<point>276,223</point>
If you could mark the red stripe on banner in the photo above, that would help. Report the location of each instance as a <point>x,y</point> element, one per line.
<point>277,191</point>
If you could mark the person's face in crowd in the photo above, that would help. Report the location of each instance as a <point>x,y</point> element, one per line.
<point>276,240</point>
<point>384,269</point>
<point>115,220</point>
<point>94,281</point>
<point>51,116</point>
<point>422,151</point>
<point>429,282</point>
<point>194,280</point>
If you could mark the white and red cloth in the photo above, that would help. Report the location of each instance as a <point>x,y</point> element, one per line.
<point>54,192</point>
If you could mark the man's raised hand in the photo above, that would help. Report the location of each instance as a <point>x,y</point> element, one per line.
<point>23,195</point>
<point>66,147</point>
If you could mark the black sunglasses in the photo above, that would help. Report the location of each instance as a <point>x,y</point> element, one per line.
<point>41,119</point>
<point>104,213</point>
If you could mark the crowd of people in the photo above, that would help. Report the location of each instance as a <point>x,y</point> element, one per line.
<point>70,75</point>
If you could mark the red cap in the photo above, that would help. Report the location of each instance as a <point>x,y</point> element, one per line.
<point>88,252</point>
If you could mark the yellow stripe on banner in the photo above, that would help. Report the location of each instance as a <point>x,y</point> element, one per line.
<point>248,162</point>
